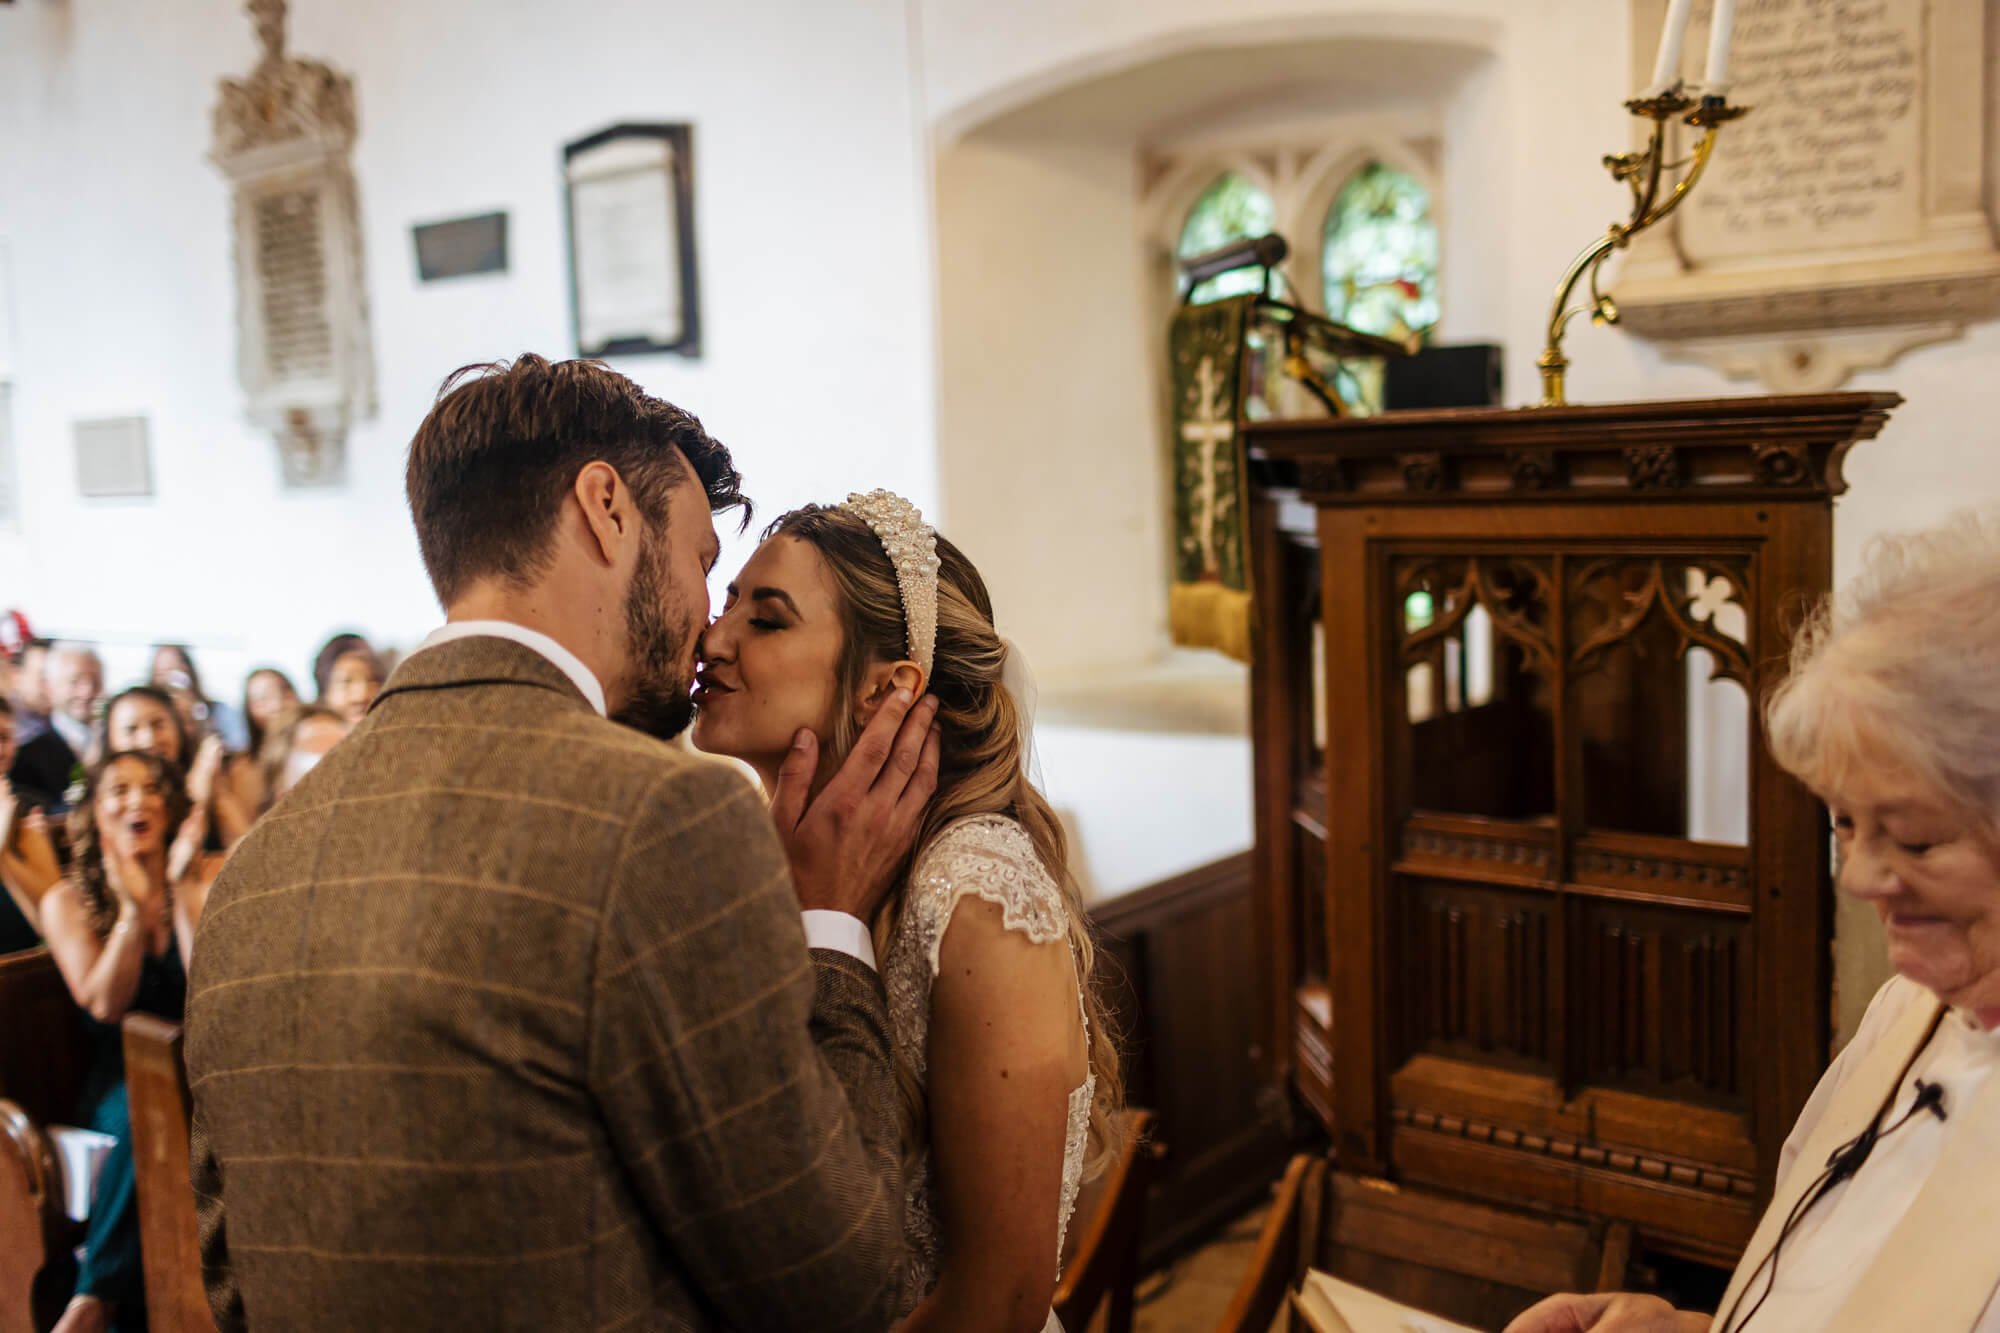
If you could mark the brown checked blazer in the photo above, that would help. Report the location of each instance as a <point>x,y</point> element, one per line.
<point>504,1019</point>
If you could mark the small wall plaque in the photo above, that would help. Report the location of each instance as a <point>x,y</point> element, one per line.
<point>113,459</point>
<point>461,247</point>
<point>631,235</point>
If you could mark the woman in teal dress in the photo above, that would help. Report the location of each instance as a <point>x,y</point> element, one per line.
<point>120,930</point>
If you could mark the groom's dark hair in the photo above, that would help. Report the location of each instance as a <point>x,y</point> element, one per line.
<point>489,467</point>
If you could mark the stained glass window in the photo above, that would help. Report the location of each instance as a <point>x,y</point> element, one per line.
<point>1379,262</point>
<point>1234,208</point>
<point>1380,255</point>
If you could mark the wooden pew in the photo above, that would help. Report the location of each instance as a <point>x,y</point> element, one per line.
<point>1110,1219</point>
<point>37,1238</point>
<point>44,1055</point>
<point>1467,1261</point>
<point>156,1083</point>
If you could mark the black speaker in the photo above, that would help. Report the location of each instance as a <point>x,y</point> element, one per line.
<point>1464,376</point>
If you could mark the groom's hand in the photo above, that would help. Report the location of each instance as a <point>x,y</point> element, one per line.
<point>845,847</point>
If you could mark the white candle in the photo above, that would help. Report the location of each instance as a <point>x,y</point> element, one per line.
<point>1716,82</point>
<point>1673,36</point>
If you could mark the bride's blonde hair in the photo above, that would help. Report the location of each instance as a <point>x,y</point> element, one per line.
<point>980,766</point>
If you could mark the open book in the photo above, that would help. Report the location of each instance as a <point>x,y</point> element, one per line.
<point>1329,1305</point>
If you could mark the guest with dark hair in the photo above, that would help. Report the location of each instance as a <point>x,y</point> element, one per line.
<point>353,682</point>
<point>144,719</point>
<point>30,692</point>
<point>48,761</point>
<point>330,652</point>
<point>268,694</point>
<point>121,928</point>
<point>174,671</point>
<point>27,859</point>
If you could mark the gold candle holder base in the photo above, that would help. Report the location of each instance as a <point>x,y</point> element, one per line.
<point>1645,172</point>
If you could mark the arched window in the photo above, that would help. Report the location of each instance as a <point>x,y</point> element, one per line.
<point>1233,208</point>
<point>1379,254</point>
<point>1378,264</point>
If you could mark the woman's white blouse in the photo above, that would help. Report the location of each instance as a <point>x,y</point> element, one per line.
<point>1834,1245</point>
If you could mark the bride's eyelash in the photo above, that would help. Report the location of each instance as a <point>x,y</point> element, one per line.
<point>757,622</point>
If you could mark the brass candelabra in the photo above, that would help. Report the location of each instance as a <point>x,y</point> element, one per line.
<point>1645,172</point>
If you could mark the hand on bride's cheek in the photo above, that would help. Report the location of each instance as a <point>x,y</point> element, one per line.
<point>771,660</point>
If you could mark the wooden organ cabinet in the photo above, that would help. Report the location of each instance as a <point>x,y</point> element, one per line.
<point>1544,923</point>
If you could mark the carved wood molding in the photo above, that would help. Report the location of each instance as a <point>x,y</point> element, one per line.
<point>1423,843</point>
<point>1644,1166</point>
<point>1663,871</point>
<point>1780,448</point>
<point>1652,591</point>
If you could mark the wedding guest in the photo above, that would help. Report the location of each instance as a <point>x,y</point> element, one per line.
<point>121,928</point>
<point>352,683</point>
<point>144,719</point>
<point>173,670</point>
<point>47,763</point>
<point>336,647</point>
<point>268,694</point>
<point>1883,1213</point>
<point>298,741</point>
<point>30,695</point>
<point>20,909</point>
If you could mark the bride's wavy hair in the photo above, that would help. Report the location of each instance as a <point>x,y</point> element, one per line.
<point>979,771</point>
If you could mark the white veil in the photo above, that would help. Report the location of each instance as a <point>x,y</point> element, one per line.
<point>1018,679</point>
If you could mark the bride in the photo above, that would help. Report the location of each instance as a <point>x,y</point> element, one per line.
<point>1007,1072</point>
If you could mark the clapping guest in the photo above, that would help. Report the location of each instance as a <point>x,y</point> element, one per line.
<point>46,763</point>
<point>174,671</point>
<point>121,928</point>
<point>353,682</point>
<point>145,719</point>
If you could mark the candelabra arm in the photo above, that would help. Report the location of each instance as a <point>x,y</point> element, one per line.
<point>1648,208</point>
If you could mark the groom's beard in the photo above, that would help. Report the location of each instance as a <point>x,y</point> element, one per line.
<point>662,702</point>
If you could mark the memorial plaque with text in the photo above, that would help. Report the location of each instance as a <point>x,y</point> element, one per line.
<point>1832,155</point>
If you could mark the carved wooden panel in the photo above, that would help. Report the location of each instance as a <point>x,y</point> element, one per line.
<point>1479,980</point>
<point>1672,988</point>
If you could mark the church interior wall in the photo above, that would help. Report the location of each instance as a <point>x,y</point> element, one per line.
<point>813,263</point>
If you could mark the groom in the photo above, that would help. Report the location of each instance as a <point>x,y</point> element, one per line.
<point>505,1017</point>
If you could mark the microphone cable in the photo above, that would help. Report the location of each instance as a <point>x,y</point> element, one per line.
<point>1841,1164</point>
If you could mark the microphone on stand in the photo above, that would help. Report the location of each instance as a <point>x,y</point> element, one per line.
<point>1256,252</point>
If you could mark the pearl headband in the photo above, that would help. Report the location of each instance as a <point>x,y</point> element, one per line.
<point>911,544</point>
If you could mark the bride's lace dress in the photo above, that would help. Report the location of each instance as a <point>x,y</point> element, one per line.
<point>990,857</point>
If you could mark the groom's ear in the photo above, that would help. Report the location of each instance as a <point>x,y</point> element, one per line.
<point>884,679</point>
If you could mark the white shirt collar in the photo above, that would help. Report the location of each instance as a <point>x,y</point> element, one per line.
<point>562,658</point>
<point>74,733</point>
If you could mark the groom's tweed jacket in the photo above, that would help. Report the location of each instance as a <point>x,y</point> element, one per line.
<point>504,1019</point>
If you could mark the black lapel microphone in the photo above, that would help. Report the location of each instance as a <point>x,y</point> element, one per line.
<point>1841,1164</point>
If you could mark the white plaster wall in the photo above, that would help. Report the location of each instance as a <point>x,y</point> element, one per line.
<point>814,265</point>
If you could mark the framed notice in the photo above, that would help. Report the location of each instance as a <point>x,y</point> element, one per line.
<point>631,241</point>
